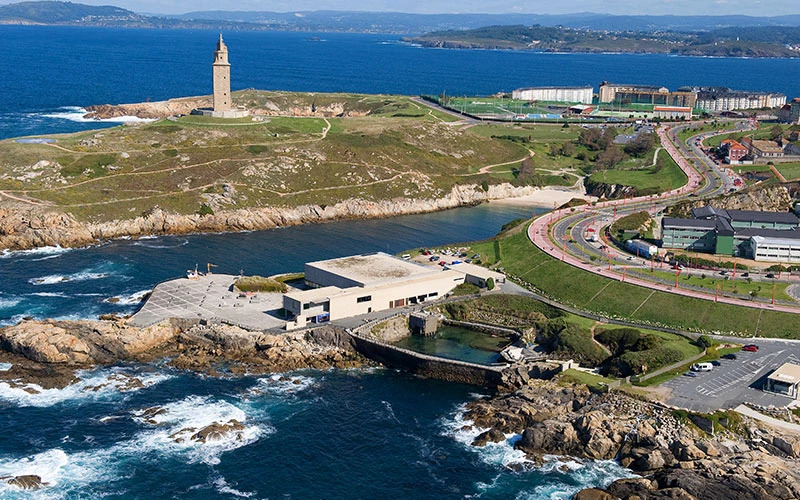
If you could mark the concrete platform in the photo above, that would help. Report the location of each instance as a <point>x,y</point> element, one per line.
<point>210,298</point>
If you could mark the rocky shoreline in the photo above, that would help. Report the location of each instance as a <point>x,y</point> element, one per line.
<point>47,354</point>
<point>23,228</point>
<point>670,450</point>
<point>677,455</point>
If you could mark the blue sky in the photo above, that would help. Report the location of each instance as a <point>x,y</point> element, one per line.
<point>677,7</point>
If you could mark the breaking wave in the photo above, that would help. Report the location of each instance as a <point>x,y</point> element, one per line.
<point>77,114</point>
<point>98,384</point>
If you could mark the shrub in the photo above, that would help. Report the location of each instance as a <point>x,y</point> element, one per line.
<point>259,284</point>
<point>490,284</point>
<point>568,340</point>
<point>704,341</point>
<point>205,210</point>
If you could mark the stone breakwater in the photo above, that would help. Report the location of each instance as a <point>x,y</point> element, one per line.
<point>676,459</point>
<point>48,353</point>
<point>24,227</point>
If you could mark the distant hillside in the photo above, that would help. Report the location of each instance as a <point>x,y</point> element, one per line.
<point>67,13</point>
<point>61,12</point>
<point>725,42</point>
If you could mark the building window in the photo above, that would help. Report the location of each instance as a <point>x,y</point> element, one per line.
<point>307,305</point>
<point>365,298</point>
<point>433,294</point>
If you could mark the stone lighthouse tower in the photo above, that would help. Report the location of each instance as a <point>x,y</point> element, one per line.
<point>222,79</point>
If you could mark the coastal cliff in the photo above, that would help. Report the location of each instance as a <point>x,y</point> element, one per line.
<point>25,228</point>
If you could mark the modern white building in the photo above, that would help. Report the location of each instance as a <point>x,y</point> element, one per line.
<point>672,112</point>
<point>784,381</point>
<point>725,99</point>
<point>581,95</point>
<point>477,275</point>
<point>361,284</point>
<point>776,249</point>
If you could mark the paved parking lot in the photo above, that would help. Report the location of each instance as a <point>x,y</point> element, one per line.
<point>735,381</point>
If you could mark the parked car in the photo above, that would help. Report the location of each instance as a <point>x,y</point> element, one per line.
<point>729,356</point>
<point>769,275</point>
<point>750,348</point>
<point>716,362</point>
<point>690,374</point>
<point>433,258</point>
<point>745,275</point>
<point>476,256</point>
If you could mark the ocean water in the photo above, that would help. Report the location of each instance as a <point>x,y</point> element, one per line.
<point>335,434</point>
<point>51,72</point>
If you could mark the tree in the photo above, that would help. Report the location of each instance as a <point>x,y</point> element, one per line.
<point>490,284</point>
<point>704,341</point>
<point>527,169</point>
<point>567,149</point>
<point>590,137</point>
<point>610,157</point>
<point>555,150</point>
<point>640,145</point>
<point>775,133</point>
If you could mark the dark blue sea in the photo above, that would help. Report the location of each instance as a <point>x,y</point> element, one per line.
<point>335,434</point>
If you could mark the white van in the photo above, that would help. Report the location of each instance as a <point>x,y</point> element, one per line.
<point>702,367</point>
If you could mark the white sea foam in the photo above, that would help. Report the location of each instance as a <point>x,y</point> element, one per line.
<point>4,367</point>
<point>283,384</point>
<point>49,294</point>
<point>129,300</point>
<point>224,488</point>
<point>59,278</point>
<point>465,432</point>
<point>13,320</point>
<point>77,114</point>
<point>48,251</point>
<point>160,246</point>
<point>566,476</point>
<point>66,475</point>
<point>9,302</point>
<point>97,384</point>
<point>182,419</point>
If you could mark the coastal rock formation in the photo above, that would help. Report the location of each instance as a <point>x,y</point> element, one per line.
<point>774,198</point>
<point>149,110</point>
<point>678,460</point>
<point>185,105</point>
<point>48,352</point>
<point>82,343</point>
<point>30,228</point>
<point>26,482</point>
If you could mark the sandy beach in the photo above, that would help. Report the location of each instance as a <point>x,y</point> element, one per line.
<point>545,197</point>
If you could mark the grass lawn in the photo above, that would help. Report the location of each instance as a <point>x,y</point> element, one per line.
<point>603,296</point>
<point>789,170</point>
<point>537,133</point>
<point>569,377</point>
<point>670,176</point>
<point>739,285</point>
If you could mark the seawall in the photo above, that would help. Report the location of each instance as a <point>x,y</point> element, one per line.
<point>428,366</point>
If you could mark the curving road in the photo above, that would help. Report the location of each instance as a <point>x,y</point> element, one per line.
<point>562,233</point>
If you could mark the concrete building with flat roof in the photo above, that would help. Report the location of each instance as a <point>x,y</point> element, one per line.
<point>657,95</point>
<point>738,233</point>
<point>582,95</point>
<point>477,275</point>
<point>672,112</point>
<point>784,381</point>
<point>361,284</point>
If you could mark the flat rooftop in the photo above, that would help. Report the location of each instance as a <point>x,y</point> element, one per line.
<point>373,268</point>
<point>788,373</point>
